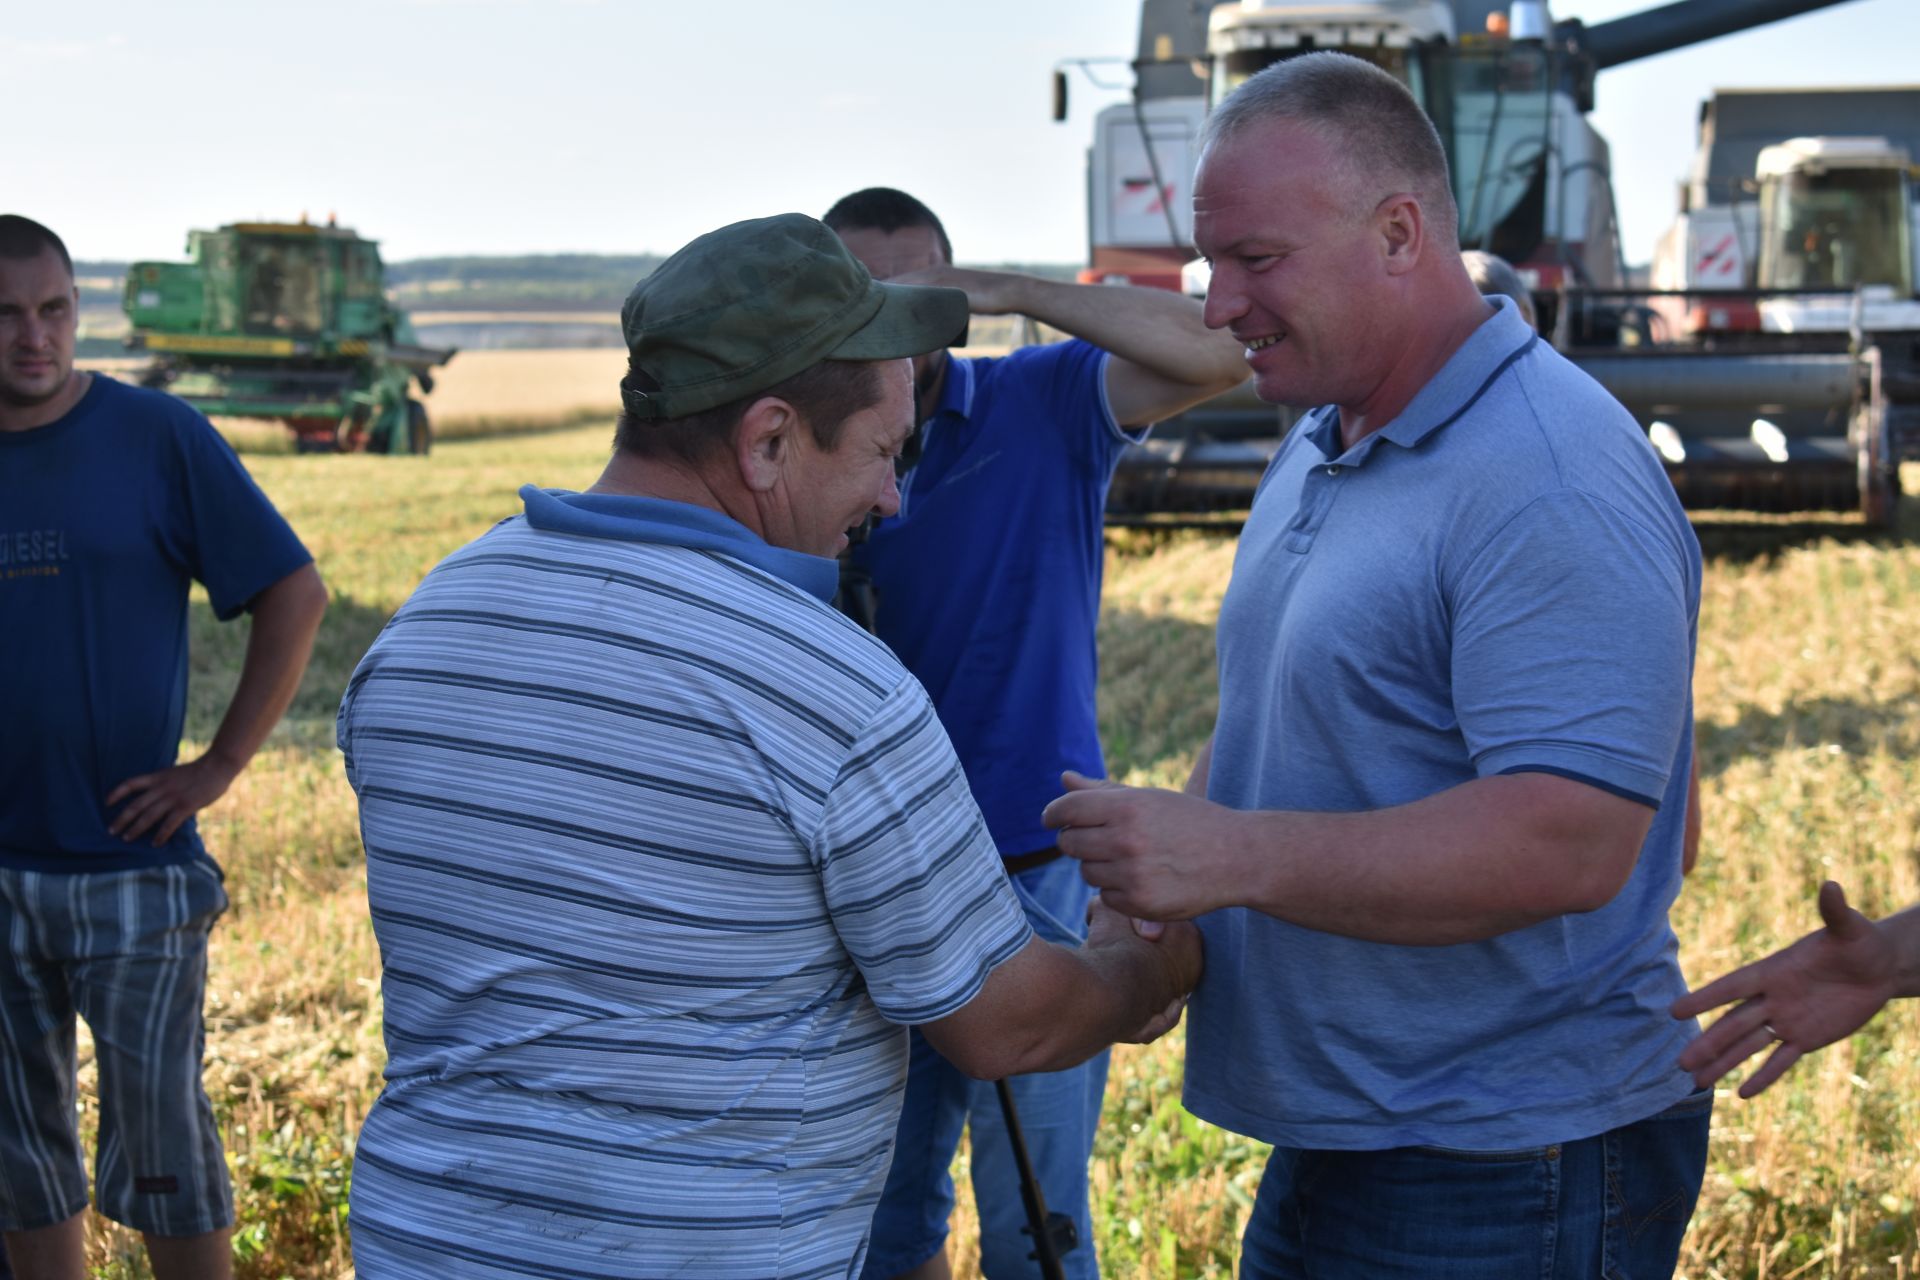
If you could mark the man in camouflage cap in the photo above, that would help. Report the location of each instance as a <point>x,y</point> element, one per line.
<point>663,853</point>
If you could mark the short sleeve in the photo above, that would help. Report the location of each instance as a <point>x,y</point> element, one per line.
<point>1572,648</point>
<point>912,880</point>
<point>235,542</point>
<point>1068,384</point>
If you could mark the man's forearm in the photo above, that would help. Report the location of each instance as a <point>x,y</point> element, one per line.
<point>1052,1006</point>
<point>1480,859</point>
<point>1121,987</point>
<point>1469,863</point>
<point>286,617</point>
<point>1157,329</point>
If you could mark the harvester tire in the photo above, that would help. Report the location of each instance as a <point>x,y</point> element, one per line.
<point>1879,483</point>
<point>419,430</point>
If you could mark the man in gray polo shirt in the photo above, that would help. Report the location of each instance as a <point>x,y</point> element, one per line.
<point>1436,832</point>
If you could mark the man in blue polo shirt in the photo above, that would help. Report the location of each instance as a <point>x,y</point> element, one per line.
<point>114,500</point>
<point>1444,798</point>
<point>988,585</point>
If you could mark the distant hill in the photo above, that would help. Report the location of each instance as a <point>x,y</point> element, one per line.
<point>519,282</point>
<point>524,282</point>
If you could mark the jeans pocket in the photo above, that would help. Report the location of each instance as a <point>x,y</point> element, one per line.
<point>207,891</point>
<point>1055,904</point>
<point>1653,1171</point>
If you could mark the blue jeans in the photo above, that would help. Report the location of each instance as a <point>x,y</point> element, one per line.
<point>1058,1112</point>
<point>1611,1207</point>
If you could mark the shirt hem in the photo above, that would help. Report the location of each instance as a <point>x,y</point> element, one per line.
<point>80,863</point>
<point>1537,1127</point>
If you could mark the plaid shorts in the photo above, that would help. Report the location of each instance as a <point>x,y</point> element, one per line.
<point>127,951</point>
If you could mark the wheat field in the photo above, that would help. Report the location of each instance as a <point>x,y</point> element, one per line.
<point>1808,691</point>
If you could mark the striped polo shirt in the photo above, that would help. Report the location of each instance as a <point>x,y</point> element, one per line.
<point>662,855</point>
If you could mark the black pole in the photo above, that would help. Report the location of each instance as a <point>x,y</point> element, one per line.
<point>1053,1233</point>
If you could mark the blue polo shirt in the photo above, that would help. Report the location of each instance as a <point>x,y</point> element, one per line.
<point>107,518</point>
<point>1499,580</point>
<point>989,575</point>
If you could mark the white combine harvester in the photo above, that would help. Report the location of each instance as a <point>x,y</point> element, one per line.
<point>1760,393</point>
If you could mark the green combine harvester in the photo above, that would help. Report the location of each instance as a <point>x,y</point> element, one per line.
<point>289,322</point>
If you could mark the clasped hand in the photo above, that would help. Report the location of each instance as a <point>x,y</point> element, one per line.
<point>1179,945</point>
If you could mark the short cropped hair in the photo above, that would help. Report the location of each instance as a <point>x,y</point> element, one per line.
<point>1492,274</point>
<point>1373,118</point>
<point>825,395</point>
<point>24,238</point>
<point>885,210</point>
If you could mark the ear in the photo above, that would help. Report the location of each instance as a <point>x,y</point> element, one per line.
<point>1402,225</point>
<point>763,442</point>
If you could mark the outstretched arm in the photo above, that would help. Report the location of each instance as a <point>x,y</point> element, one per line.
<point>1164,357</point>
<point>1804,997</point>
<point>1472,862</point>
<point>285,617</point>
<point>1050,1007</point>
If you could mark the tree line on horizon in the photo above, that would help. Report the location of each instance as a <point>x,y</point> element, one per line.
<point>503,282</point>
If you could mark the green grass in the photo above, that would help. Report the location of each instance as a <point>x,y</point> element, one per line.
<point>1808,691</point>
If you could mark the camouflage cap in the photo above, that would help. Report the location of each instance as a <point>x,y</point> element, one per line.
<point>750,305</point>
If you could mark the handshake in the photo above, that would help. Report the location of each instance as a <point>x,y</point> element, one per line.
<point>1122,838</point>
<point>1169,954</point>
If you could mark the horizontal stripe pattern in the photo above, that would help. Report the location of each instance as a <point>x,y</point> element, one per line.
<point>661,853</point>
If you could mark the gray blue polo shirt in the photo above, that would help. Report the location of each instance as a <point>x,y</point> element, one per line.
<point>1500,580</point>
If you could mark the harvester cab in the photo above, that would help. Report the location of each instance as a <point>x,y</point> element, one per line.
<point>288,322</point>
<point>1837,214</point>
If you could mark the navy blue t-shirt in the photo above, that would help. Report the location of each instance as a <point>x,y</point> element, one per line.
<point>989,577</point>
<point>106,517</point>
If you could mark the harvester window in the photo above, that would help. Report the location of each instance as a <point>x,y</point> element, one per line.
<point>1837,229</point>
<point>282,289</point>
<point>363,272</point>
<point>1499,136</point>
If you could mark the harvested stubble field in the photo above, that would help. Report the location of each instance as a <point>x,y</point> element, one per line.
<point>1809,701</point>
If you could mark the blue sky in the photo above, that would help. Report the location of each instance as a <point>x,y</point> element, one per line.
<point>511,126</point>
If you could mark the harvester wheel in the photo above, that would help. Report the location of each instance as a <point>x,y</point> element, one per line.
<point>1879,483</point>
<point>353,429</point>
<point>419,430</point>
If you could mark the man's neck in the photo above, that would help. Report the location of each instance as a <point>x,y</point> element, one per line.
<point>633,477</point>
<point>28,417</point>
<point>933,384</point>
<point>1422,357</point>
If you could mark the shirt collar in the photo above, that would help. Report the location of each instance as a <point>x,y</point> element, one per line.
<point>629,518</point>
<point>1502,338</point>
<point>956,393</point>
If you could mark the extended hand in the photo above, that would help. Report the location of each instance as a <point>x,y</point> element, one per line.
<point>1821,989</point>
<point>161,801</point>
<point>1148,851</point>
